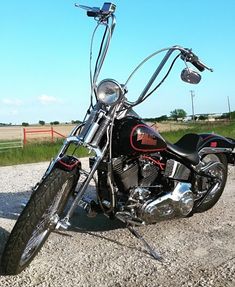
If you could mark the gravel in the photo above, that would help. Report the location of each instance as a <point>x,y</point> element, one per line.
<point>197,251</point>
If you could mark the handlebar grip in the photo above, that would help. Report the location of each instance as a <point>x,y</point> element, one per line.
<point>92,13</point>
<point>198,65</point>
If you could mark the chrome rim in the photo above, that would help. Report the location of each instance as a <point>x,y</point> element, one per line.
<point>35,241</point>
<point>217,172</point>
<point>44,227</point>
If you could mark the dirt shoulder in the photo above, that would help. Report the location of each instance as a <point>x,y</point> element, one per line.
<point>198,251</point>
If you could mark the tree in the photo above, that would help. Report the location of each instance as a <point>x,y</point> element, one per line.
<point>178,113</point>
<point>55,123</point>
<point>203,118</point>
<point>42,123</point>
<point>224,116</point>
<point>157,119</point>
<point>162,118</point>
<point>75,122</point>
<point>232,115</point>
<point>25,124</point>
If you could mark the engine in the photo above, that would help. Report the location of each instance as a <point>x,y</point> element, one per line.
<point>146,195</point>
<point>177,203</point>
<point>133,173</point>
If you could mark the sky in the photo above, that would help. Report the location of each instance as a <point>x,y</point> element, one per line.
<point>44,56</point>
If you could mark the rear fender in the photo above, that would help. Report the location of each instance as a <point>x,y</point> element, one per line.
<point>212,143</point>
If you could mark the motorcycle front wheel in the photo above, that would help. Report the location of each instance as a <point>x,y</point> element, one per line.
<point>37,220</point>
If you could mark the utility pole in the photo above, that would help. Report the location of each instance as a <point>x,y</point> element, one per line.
<point>192,96</point>
<point>229,109</point>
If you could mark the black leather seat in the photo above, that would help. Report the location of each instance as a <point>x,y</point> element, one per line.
<point>186,147</point>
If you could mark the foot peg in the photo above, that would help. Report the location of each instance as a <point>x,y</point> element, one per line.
<point>90,206</point>
<point>63,224</point>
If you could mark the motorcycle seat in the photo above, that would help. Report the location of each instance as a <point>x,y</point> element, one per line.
<point>186,147</point>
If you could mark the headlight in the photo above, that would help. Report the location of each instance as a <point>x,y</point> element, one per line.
<point>109,92</point>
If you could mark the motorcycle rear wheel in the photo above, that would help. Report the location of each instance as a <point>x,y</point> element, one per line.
<point>222,173</point>
<point>37,220</point>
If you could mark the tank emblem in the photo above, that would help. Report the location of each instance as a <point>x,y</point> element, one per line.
<point>146,139</point>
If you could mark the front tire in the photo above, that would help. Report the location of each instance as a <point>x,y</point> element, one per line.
<point>37,220</point>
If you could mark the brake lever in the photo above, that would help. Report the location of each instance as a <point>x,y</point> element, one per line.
<point>206,67</point>
<point>82,7</point>
<point>189,56</point>
<point>87,8</point>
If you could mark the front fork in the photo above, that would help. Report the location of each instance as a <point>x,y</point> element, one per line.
<point>64,222</point>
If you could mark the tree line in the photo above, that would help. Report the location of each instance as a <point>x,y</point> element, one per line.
<point>179,114</point>
<point>54,123</point>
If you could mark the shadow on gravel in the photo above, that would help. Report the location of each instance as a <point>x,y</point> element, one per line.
<point>81,222</point>
<point>11,204</point>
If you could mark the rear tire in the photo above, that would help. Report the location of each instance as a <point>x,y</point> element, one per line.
<point>222,173</point>
<point>36,220</point>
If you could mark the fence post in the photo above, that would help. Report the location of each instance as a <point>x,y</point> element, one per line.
<point>52,134</point>
<point>24,133</point>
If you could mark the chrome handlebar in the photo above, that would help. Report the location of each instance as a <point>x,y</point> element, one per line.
<point>102,16</point>
<point>186,54</point>
<point>106,11</point>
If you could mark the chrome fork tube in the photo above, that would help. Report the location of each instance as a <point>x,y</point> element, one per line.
<point>64,223</point>
<point>82,190</point>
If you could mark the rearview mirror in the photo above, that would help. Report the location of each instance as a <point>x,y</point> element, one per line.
<point>190,76</point>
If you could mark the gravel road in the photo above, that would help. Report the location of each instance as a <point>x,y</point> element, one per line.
<point>198,251</point>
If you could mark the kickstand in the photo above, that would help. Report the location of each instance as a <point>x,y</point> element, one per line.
<point>152,252</point>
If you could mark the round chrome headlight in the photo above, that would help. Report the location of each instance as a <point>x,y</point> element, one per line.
<point>109,92</point>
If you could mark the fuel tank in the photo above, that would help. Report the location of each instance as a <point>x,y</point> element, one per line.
<point>133,136</point>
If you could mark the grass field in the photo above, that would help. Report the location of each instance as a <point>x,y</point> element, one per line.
<point>226,129</point>
<point>35,152</point>
<point>44,151</point>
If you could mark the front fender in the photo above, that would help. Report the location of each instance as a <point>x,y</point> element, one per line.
<point>213,143</point>
<point>68,163</point>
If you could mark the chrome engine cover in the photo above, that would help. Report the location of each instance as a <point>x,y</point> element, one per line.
<point>178,203</point>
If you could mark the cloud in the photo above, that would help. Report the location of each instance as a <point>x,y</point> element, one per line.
<point>12,102</point>
<point>45,100</point>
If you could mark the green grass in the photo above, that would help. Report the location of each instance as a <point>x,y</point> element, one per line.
<point>226,129</point>
<point>35,152</point>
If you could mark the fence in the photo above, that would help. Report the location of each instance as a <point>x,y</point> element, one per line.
<point>10,137</point>
<point>10,144</point>
<point>50,132</point>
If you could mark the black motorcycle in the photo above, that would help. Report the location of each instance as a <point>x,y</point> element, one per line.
<point>139,178</point>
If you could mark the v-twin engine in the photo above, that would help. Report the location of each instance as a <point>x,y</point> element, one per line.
<point>178,203</point>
